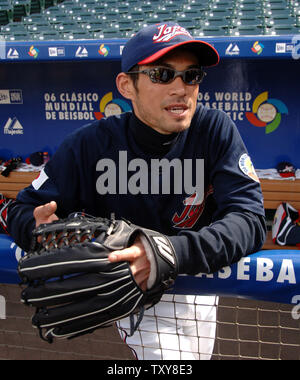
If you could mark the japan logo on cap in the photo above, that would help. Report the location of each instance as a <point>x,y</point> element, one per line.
<point>166,33</point>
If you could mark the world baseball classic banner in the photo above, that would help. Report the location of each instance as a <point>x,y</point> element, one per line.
<point>49,89</point>
<point>265,275</point>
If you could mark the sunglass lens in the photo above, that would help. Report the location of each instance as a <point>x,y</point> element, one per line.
<point>165,75</point>
<point>193,76</point>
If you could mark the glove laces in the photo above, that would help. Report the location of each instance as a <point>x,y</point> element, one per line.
<point>134,325</point>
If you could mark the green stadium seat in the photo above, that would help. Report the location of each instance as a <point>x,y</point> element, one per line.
<point>91,3</point>
<point>277,5</point>
<point>212,32</point>
<point>74,10</point>
<point>198,4</point>
<point>47,3</point>
<point>110,4</point>
<point>69,3</point>
<point>179,2</point>
<point>282,20</point>
<point>126,33</point>
<point>21,8</point>
<point>124,27</point>
<point>36,28</point>
<point>187,23</point>
<point>65,27</point>
<point>295,11</point>
<point>151,20</point>
<point>34,18</point>
<point>84,17</point>
<point>190,13</point>
<point>283,30</point>
<point>50,35</point>
<point>133,3</point>
<point>223,4</point>
<point>75,35</point>
<point>162,15</point>
<point>195,9</point>
<point>248,7</point>
<point>173,7</point>
<point>110,33</point>
<point>35,6</point>
<point>248,31</point>
<point>126,24</point>
<point>94,26</point>
<point>282,2</point>
<point>111,16</point>
<point>222,13</point>
<point>216,22</point>
<point>17,37</point>
<point>6,15</point>
<point>58,19</point>
<point>247,21</point>
<point>98,10</point>
<point>97,35</point>
<point>250,13</point>
<point>14,27</point>
<point>123,9</point>
<point>279,12</point>
<point>136,16</point>
<point>56,10</point>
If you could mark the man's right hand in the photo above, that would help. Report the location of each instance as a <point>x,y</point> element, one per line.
<point>45,213</point>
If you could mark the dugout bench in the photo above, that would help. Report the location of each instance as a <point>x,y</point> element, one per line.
<point>274,192</point>
<point>16,181</point>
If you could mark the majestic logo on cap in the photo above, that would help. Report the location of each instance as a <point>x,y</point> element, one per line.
<point>166,33</point>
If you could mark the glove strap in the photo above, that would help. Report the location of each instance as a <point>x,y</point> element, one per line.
<point>151,258</point>
<point>166,265</point>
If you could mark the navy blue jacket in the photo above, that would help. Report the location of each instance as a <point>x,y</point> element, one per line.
<point>225,225</point>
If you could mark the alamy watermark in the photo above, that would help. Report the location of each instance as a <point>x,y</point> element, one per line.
<point>2,307</point>
<point>296,308</point>
<point>2,48</point>
<point>155,176</point>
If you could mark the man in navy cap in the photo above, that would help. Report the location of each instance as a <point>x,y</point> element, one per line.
<point>205,196</point>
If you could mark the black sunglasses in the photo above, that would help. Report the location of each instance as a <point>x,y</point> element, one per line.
<point>166,75</point>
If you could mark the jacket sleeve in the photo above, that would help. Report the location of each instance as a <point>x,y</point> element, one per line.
<point>56,182</point>
<point>21,223</point>
<point>221,244</point>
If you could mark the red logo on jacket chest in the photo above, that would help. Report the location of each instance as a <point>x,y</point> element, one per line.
<point>192,211</point>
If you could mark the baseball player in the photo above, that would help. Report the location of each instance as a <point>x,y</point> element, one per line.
<point>172,166</point>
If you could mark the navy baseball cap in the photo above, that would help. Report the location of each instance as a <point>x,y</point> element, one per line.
<point>154,41</point>
<point>286,169</point>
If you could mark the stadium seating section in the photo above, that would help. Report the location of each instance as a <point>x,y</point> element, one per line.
<point>25,20</point>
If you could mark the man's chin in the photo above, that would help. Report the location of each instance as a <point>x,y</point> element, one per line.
<point>180,126</point>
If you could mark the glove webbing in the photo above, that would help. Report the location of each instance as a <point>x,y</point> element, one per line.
<point>68,236</point>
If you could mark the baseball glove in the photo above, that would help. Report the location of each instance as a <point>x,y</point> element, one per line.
<point>75,288</point>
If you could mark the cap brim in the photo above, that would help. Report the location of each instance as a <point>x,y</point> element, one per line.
<point>287,175</point>
<point>206,53</point>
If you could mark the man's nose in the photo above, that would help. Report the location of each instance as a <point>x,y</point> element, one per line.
<point>178,86</point>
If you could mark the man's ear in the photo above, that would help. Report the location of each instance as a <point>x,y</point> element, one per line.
<point>125,86</point>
